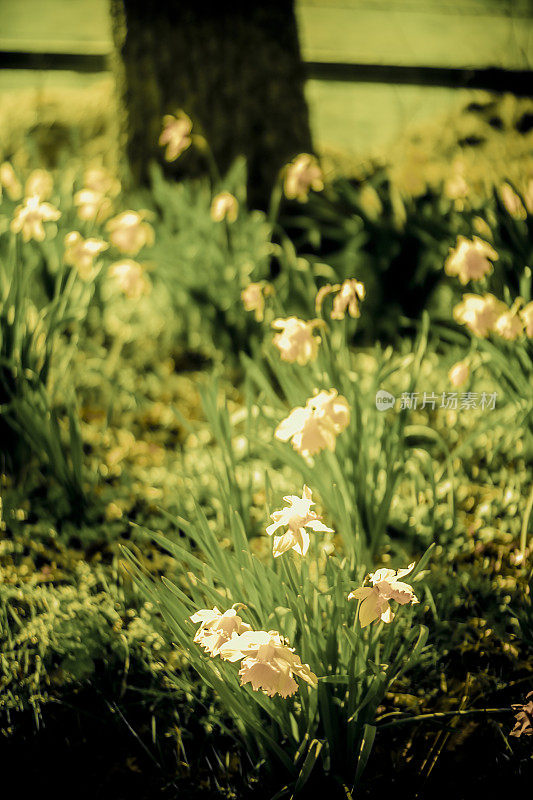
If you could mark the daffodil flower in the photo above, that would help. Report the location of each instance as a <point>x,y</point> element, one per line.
<point>267,663</point>
<point>315,427</point>
<point>458,374</point>
<point>347,297</point>
<point>217,628</point>
<point>176,134</point>
<point>375,599</point>
<point>302,175</point>
<point>99,179</point>
<point>512,202</point>
<point>129,233</point>
<point>92,205</point>
<point>29,218</point>
<point>296,342</point>
<point>297,516</point>
<point>130,278</point>
<point>523,717</point>
<point>253,298</point>
<point>479,313</point>
<point>224,206</point>
<point>469,260</point>
<point>509,324</point>
<point>81,253</point>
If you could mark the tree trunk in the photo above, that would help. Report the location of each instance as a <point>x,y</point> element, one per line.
<point>233,67</point>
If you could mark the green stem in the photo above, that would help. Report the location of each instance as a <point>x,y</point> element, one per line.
<point>440,715</point>
<point>275,201</point>
<point>525,523</point>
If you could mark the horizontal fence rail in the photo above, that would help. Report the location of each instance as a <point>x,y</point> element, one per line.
<point>73,62</point>
<point>495,79</point>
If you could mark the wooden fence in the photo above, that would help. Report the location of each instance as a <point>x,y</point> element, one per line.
<point>347,45</point>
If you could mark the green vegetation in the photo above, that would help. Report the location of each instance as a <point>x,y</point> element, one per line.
<point>203,500</point>
<point>138,417</point>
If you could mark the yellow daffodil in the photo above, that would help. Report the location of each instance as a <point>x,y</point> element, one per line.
<point>297,516</point>
<point>523,717</point>
<point>217,628</point>
<point>268,663</point>
<point>176,134</point>
<point>29,218</point>
<point>93,206</point>
<point>224,206</point>
<point>469,260</point>
<point>509,325</point>
<point>100,180</point>
<point>348,295</point>
<point>302,175</point>
<point>296,342</point>
<point>386,586</point>
<point>130,278</point>
<point>512,202</point>
<point>253,298</point>
<point>129,233</point>
<point>479,313</point>
<point>316,427</point>
<point>458,374</point>
<point>81,253</point>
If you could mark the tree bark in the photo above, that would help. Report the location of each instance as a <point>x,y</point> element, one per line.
<point>233,67</point>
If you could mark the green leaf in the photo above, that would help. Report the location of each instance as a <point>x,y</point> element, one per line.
<point>311,758</point>
<point>369,734</point>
